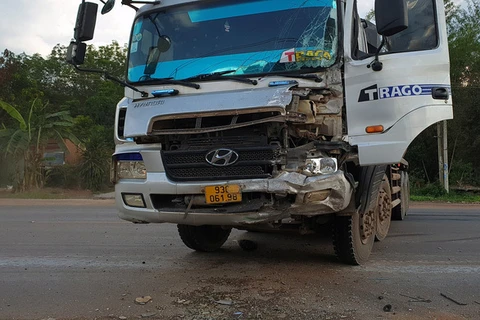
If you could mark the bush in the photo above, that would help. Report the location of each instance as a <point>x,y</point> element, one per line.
<point>66,176</point>
<point>463,174</point>
<point>431,190</point>
<point>96,160</point>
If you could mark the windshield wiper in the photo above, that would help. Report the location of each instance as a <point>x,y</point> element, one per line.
<point>311,76</point>
<point>110,77</point>
<point>186,83</point>
<point>219,76</point>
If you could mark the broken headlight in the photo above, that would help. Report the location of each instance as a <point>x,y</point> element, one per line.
<point>321,165</point>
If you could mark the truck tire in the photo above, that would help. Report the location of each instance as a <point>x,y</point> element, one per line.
<point>400,211</point>
<point>351,244</point>
<point>383,209</point>
<point>354,235</point>
<point>203,238</point>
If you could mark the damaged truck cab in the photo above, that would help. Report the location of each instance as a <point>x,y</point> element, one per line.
<point>273,114</point>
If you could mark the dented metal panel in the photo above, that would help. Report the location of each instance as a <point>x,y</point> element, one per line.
<point>141,113</point>
<point>286,183</point>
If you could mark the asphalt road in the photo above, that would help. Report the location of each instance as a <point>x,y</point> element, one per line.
<point>77,260</point>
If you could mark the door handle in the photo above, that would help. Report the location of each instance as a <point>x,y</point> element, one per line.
<point>440,93</point>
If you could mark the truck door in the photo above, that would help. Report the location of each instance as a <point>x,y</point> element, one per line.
<point>410,93</point>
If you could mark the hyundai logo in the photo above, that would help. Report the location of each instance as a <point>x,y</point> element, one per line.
<point>221,157</point>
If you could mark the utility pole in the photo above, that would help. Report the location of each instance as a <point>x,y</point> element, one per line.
<point>442,147</point>
<point>440,152</point>
<point>445,157</point>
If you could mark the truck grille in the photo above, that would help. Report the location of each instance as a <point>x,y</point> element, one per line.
<point>191,165</point>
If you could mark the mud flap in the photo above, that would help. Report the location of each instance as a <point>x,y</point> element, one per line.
<point>369,183</point>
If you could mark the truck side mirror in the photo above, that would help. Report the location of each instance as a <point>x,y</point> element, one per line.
<point>108,6</point>
<point>86,19</point>
<point>76,53</point>
<point>164,43</point>
<point>391,16</point>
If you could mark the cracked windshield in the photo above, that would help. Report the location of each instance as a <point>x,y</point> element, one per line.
<point>222,37</point>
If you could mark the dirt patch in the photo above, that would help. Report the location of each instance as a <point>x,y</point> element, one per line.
<point>48,193</point>
<point>56,202</point>
<point>54,197</point>
<point>233,298</point>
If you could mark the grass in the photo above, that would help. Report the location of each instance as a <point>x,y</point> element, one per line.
<point>435,192</point>
<point>453,197</point>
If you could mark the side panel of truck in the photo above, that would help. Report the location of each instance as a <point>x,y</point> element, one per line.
<point>405,96</point>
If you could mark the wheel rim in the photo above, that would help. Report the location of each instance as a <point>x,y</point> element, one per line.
<point>384,208</point>
<point>367,226</point>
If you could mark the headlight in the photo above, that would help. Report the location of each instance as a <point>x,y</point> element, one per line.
<point>321,165</point>
<point>129,166</point>
<point>131,170</point>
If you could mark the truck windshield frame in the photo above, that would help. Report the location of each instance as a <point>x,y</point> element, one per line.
<point>251,37</point>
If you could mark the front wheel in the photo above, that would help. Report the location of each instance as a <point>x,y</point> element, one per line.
<point>203,238</point>
<point>353,237</point>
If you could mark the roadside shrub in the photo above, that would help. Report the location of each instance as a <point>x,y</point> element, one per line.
<point>462,174</point>
<point>96,159</point>
<point>430,190</point>
<point>66,177</point>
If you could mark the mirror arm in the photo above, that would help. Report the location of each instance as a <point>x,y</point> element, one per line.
<point>131,6</point>
<point>128,3</point>
<point>376,65</point>
<point>110,77</point>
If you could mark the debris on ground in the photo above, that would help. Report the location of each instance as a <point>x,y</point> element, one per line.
<point>122,318</point>
<point>416,299</point>
<point>225,302</point>
<point>248,245</point>
<point>268,292</point>
<point>148,314</point>
<point>143,300</point>
<point>453,300</point>
<point>182,301</point>
<point>387,308</point>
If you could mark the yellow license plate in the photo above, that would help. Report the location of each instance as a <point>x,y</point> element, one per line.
<point>223,194</point>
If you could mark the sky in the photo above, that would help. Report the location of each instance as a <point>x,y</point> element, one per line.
<point>36,26</point>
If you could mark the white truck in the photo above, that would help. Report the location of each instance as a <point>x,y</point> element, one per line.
<point>273,114</point>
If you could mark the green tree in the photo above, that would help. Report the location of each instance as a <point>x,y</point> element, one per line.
<point>26,78</point>
<point>28,139</point>
<point>370,15</point>
<point>97,152</point>
<point>96,159</point>
<point>86,93</point>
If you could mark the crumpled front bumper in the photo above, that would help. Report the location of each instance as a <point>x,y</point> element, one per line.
<point>315,195</point>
